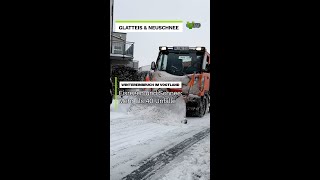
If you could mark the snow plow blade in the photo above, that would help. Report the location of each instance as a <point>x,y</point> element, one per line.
<point>159,108</point>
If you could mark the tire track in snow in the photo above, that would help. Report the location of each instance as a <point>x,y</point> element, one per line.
<point>151,165</point>
<point>133,133</point>
<point>120,144</point>
<point>132,137</point>
<point>128,127</point>
<point>122,126</point>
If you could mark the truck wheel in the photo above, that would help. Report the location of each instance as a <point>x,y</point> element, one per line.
<point>202,107</point>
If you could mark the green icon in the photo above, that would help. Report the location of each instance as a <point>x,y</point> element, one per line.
<point>190,25</point>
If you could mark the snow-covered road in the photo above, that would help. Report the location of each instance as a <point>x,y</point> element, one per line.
<point>193,164</point>
<point>134,139</point>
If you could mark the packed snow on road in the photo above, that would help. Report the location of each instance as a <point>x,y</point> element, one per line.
<point>193,164</point>
<point>140,134</point>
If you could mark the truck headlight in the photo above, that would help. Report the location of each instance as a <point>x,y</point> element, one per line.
<point>200,48</point>
<point>163,48</point>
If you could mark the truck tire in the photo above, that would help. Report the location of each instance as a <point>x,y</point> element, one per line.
<point>202,107</point>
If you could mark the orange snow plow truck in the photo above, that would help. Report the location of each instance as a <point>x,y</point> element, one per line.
<point>190,66</point>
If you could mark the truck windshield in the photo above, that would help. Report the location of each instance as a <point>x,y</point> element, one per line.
<point>180,63</point>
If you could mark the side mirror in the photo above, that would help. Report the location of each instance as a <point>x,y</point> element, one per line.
<point>153,65</point>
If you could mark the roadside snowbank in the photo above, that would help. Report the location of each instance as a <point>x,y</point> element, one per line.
<point>116,106</point>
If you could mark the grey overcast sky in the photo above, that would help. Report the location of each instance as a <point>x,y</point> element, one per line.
<point>147,44</point>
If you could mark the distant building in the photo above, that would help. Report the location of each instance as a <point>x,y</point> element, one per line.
<point>145,68</point>
<point>121,51</point>
<point>136,64</point>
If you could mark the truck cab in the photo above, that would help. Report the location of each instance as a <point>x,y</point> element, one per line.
<point>182,61</point>
<point>191,66</point>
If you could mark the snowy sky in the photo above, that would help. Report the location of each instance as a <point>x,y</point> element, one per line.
<point>147,44</point>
